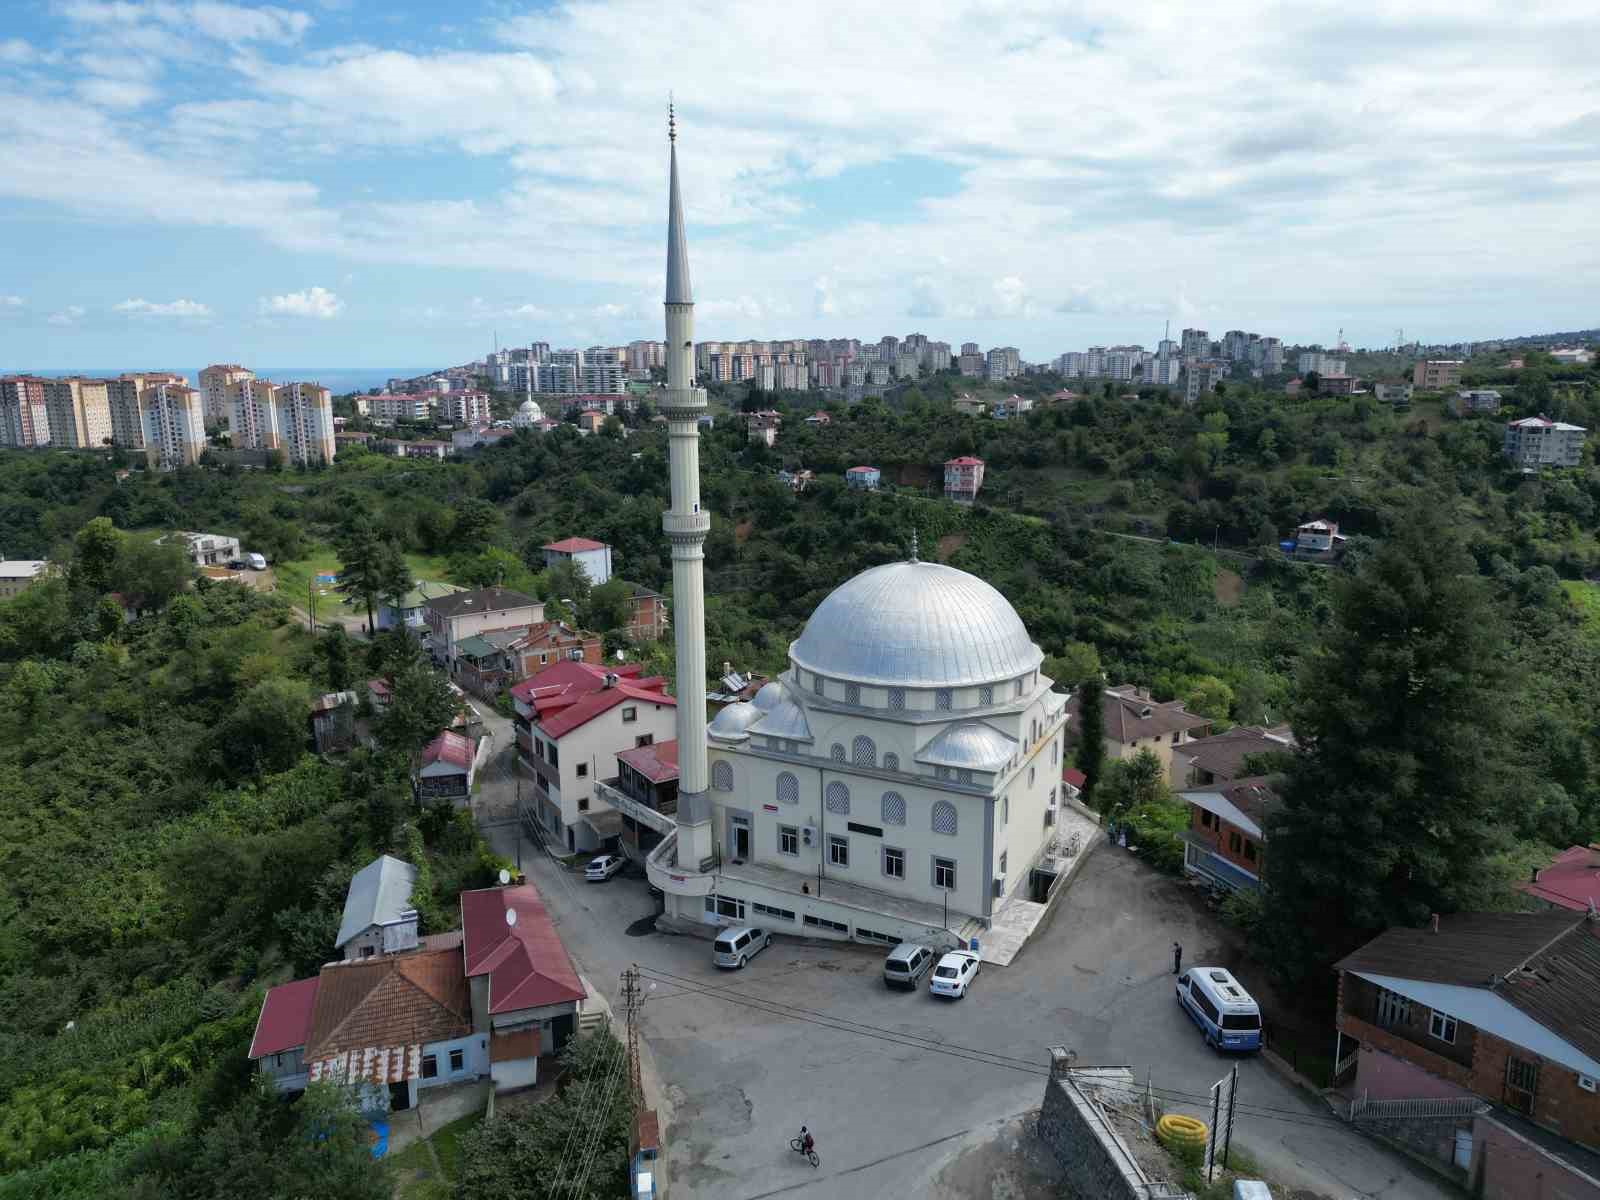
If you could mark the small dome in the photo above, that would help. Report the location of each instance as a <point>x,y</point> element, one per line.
<point>528,414</point>
<point>916,624</point>
<point>735,720</point>
<point>769,697</point>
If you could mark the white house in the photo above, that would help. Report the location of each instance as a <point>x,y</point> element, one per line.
<point>594,557</point>
<point>571,719</point>
<point>378,917</point>
<point>456,616</point>
<point>899,779</point>
<point>206,549</point>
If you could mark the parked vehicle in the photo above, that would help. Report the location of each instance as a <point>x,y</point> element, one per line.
<point>906,965</point>
<point>953,974</point>
<point>1219,1005</point>
<point>256,562</point>
<point>236,564</point>
<point>603,867</point>
<point>738,944</point>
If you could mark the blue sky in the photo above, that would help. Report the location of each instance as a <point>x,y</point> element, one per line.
<point>347,182</point>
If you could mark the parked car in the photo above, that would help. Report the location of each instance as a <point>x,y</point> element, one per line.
<point>236,564</point>
<point>738,944</point>
<point>953,974</point>
<point>603,867</point>
<point>906,965</point>
<point>256,562</point>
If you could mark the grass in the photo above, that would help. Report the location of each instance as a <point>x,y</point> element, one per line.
<point>1240,1166</point>
<point>1585,598</point>
<point>423,1184</point>
<point>295,577</point>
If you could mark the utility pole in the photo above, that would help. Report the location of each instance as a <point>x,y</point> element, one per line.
<point>311,605</point>
<point>1227,1134</point>
<point>632,1002</point>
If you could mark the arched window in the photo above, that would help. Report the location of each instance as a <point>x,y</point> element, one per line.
<point>1019,687</point>
<point>862,752</point>
<point>836,752</point>
<point>816,685</point>
<point>788,788</point>
<point>891,761</point>
<point>894,808</point>
<point>722,776</point>
<point>897,699</point>
<point>943,700</point>
<point>944,818</point>
<point>852,693</point>
<point>838,798</point>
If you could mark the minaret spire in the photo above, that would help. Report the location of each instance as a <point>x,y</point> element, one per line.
<point>678,289</point>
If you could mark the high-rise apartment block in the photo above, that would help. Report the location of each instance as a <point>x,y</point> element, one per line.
<point>253,418</point>
<point>79,412</point>
<point>174,419</point>
<point>24,417</point>
<point>306,417</point>
<point>214,381</point>
<point>466,408</point>
<point>1005,362</point>
<point>971,363</point>
<point>127,411</point>
<point>1163,369</point>
<point>1202,378</point>
<point>1196,344</point>
<point>642,356</point>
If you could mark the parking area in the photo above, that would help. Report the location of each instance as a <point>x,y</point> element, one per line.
<point>857,1063</point>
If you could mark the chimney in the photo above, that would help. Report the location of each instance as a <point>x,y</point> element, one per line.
<point>727,667</point>
<point>1436,922</point>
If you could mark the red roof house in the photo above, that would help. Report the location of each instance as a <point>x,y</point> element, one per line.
<point>1572,880</point>
<point>447,767</point>
<point>569,694</point>
<point>572,545</point>
<point>657,762</point>
<point>512,950</point>
<point>285,1020</point>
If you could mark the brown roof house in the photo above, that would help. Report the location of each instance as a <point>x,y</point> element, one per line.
<point>1228,806</point>
<point>1134,722</point>
<point>1476,1040</point>
<point>1222,756</point>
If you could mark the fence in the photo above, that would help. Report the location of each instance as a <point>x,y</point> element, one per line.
<point>1304,1051</point>
<point>1363,1107</point>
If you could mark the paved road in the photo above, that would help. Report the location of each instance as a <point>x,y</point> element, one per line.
<point>889,1116</point>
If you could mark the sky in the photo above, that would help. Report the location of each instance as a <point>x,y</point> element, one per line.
<point>365,183</point>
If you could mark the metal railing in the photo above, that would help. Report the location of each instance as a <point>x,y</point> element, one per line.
<point>642,813</point>
<point>1363,1107</point>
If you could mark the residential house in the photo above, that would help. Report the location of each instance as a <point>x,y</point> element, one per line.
<point>378,694</point>
<point>1291,387</point>
<point>649,614</point>
<point>527,997</point>
<point>17,575</point>
<point>571,719</point>
<point>862,479</point>
<point>818,419</point>
<point>1337,385</point>
<point>283,1027</point>
<point>1496,1013</point>
<point>206,549</point>
<point>333,721</point>
<point>1318,537</point>
<point>1222,757</point>
<point>463,440</point>
<point>423,448</point>
<point>456,616</point>
<point>962,478</point>
<point>1572,880</point>
<point>491,662</point>
<point>447,767</point>
<point>342,440</point>
<point>735,687</point>
<point>1475,400</point>
<point>1224,844</point>
<point>1572,356</point>
<point>1437,374</point>
<point>1134,722</point>
<point>589,421</point>
<point>485,664</point>
<point>1012,406</point>
<point>1541,442</point>
<point>409,612</point>
<point>1396,394</point>
<point>1072,783</point>
<point>378,917</point>
<point>645,791</point>
<point>798,481</point>
<point>762,427</point>
<point>594,557</point>
<point>968,405</point>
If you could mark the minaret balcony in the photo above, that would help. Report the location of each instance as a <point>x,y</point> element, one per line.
<point>686,525</point>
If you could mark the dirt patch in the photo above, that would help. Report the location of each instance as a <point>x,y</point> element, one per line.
<point>1229,587</point>
<point>949,544</point>
<point>741,531</point>
<point>912,475</point>
<point>1013,1165</point>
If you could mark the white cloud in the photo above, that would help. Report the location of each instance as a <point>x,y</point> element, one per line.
<point>313,302</point>
<point>116,93</point>
<point>221,22</point>
<point>67,316</point>
<point>10,302</point>
<point>176,308</point>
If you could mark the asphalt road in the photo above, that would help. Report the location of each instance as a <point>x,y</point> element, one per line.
<point>889,1116</point>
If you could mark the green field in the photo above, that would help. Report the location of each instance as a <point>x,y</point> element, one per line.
<point>419,1180</point>
<point>295,577</point>
<point>1585,598</point>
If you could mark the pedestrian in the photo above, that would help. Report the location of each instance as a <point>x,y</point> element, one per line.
<point>1177,957</point>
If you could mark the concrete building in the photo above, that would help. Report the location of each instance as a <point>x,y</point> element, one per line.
<point>24,414</point>
<point>1196,344</point>
<point>174,421</point>
<point>79,413</point>
<point>1133,722</point>
<point>127,414</point>
<point>306,417</point>
<point>527,416</point>
<point>206,549</point>
<point>1541,442</point>
<point>17,575</point>
<point>970,363</point>
<point>1475,400</point>
<point>392,407</point>
<point>1397,394</point>
<point>1163,369</point>
<point>1322,363</point>
<point>466,408</point>
<point>214,383</point>
<point>254,422</point>
<point>378,917</point>
<point>963,477</point>
<point>862,479</point>
<point>1005,362</point>
<point>1201,378</point>
<point>455,616</point>
<point>594,557</point>
<point>1437,374</point>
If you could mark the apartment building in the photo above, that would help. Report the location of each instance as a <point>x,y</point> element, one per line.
<point>1541,442</point>
<point>466,409</point>
<point>1163,369</point>
<point>963,477</point>
<point>1196,344</point>
<point>253,414</point>
<point>214,383</point>
<point>1202,379</point>
<point>644,355</point>
<point>970,363</point>
<point>392,407</point>
<point>307,420</point>
<point>1475,400</point>
<point>79,413</point>
<point>1436,374</point>
<point>1005,362</point>
<point>1322,363</point>
<point>24,416</point>
<point>127,415</point>
<point>174,419</point>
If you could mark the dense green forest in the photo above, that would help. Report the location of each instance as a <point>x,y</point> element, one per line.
<point>168,845</point>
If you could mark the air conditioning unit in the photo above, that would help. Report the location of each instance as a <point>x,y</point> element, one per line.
<point>999,886</point>
<point>809,834</point>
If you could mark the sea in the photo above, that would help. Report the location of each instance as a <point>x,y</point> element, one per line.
<point>338,380</point>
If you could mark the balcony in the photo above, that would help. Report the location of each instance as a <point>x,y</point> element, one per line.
<point>663,871</point>
<point>607,793</point>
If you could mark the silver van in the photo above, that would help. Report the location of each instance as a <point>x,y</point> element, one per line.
<point>906,965</point>
<point>738,944</point>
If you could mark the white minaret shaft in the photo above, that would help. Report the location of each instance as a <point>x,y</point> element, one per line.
<point>686,527</point>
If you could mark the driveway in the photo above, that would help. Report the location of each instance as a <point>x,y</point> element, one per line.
<point>888,1115</point>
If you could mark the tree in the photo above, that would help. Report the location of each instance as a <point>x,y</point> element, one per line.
<point>335,647</point>
<point>607,607</point>
<point>476,522</point>
<point>153,573</point>
<point>95,551</point>
<point>1209,697</point>
<point>1089,756</point>
<point>269,729</point>
<point>1213,442</point>
<point>1399,796</point>
<point>421,703</point>
<point>1077,661</point>
<point>369,566</point>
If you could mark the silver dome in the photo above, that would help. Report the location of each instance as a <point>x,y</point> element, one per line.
<point>770,696</point>
<point>971,745</point>
<point>785,719</point>
<point>735,720</point>
<point>916,624</point>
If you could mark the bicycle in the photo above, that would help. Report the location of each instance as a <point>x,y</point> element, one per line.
<point>799,1147</point>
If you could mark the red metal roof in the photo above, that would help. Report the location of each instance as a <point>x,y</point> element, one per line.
<point>966,460</point>
<point>285,1020</point>
<point>1074,776</point>
<point>568,695</point>
<point>853,470</point>
<point>573,545</point>
<point>657,762</point>
<point>1571,880</point>
<point>525,961</point>
<point>449,747</point>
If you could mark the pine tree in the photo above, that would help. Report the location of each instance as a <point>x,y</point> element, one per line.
<point>1089,756</point>
<point>1399,794</point>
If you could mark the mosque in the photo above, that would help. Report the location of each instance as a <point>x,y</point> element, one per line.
<point>900,779</point>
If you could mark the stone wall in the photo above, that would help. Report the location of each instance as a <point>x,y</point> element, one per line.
<point>1095,1162</point>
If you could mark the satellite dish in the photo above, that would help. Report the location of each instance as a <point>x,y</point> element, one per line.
<point>511,916</point>
<point>505,877</point>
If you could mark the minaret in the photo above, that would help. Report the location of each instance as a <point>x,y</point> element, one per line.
<point>686,527</point>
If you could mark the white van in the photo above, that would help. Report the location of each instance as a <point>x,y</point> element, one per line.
<point>256,562</point>
<point>738,944</point>
<point>1220,1006</point>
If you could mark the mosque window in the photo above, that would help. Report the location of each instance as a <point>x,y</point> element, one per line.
<point>894,808</point>
<point>897,699</point>
<point>816,685</point>
<point>943,700</point>
<point>963,776</point>
<point>788,788</point>
<point>836,752</point>
<point>838,799</point>
<point>863,753</point>
<point>986,694</point>
<point>852,693</point>
<point>1019,687</point>
<point>722,776</point>
<point>891,762</point>
<point>944,818</point>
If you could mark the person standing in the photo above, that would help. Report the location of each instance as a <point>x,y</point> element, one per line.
<point>1177,957</point>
